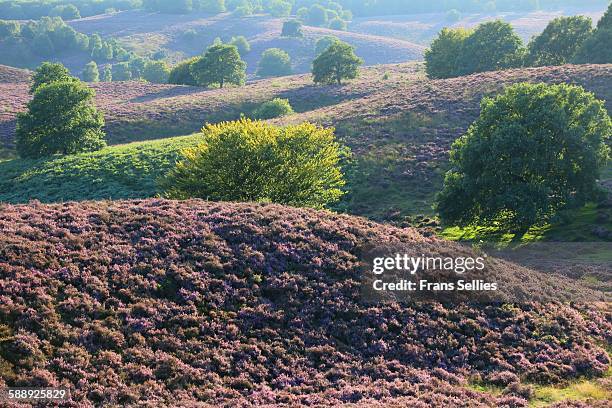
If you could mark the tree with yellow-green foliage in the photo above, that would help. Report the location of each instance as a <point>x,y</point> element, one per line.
<point>248,160</point>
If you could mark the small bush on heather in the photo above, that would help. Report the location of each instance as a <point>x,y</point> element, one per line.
<point>275,108</point>
<point>250,160</point>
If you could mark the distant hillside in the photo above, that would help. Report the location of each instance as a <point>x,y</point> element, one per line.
<point>159,302</point>
<point>147,32</point>
<point>422,28</point>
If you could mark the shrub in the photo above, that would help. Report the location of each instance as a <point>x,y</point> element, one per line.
<point>336,63</point>
<point>492,46</point>
<point>441,57</point>
<point>60,118</point>
<point>338,24</point>
<point>91,73</point>
<point>292,28</point>
<point>559,41</point>
<point>275,108</point>
<point>274,62</point>
<point>534,150</point>
<point>252,161</point>
<point>156,72</point>
<point>49,72</point>
<point>220,65</point>
<point>181,73</point>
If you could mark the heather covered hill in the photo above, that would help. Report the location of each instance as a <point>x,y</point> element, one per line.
<point>167,303</point>
<point>137,110</point>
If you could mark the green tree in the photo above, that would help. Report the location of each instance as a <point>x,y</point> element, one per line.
<point>275,108</point>
<point>49,72</point>
<point>103,52</point>
<point>338,24</point>
<point>107,74</point>
<point>95,42</point>
<point>302,13</point>
<point>181,73</point>
<point>274,62</point>
<point>253,161</point>
<point>9,29</point>
<point>122,72</point>
<point>91,73</point>
<point>441,56</point>
<point>596,49</point>
<point>42,45</point>
<point>317,15</point>
<point>323,43</point>
<point>66,12</point>
<point>156,72</point>
<point>137,66</point>
<point>606,20</point>
<point>336,63</point>
<point>279,8</point>
<point>242,44</point>
<point>492,46</point>
<point>220,65</point>
<point>60,118</point>
<point>559,41</point>
<point>535,149</point>
<point>292,28</point>
<point>212,6</point>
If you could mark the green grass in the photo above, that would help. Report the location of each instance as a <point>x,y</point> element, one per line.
<point>579,391</point>
<point>578,229</point>
<point>116,172</point>
<point>545,395</point>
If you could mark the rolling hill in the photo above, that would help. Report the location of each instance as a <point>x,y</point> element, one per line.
<point>398,124</point>
<point>146,32</point>
<point>180,303</point>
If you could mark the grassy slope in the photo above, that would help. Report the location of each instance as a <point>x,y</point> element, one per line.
<point>116,172</point>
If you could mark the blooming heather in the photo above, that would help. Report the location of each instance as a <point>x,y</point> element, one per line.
<point>162,303</point>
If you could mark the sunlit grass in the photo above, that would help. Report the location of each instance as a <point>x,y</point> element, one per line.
<point>115,172</point>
